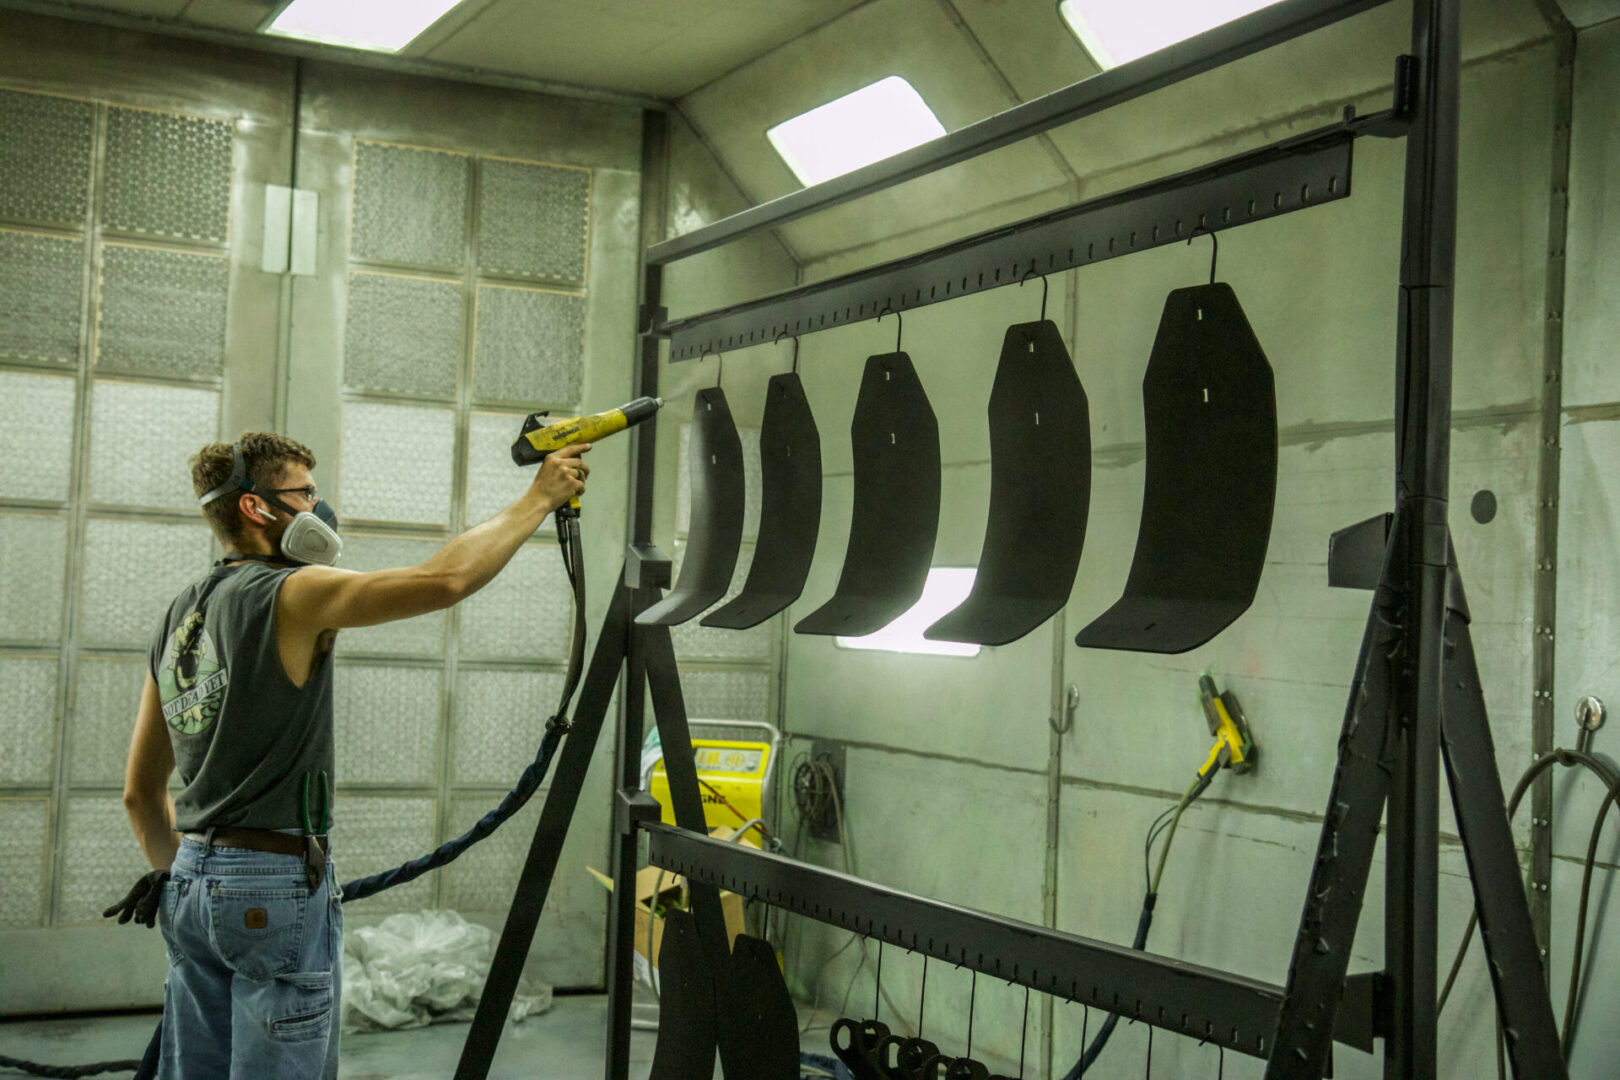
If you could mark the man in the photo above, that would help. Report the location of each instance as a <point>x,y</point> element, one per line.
<point>239,694</point>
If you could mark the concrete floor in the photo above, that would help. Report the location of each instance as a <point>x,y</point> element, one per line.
<point>567,1042</point>
<point>564,1043</point>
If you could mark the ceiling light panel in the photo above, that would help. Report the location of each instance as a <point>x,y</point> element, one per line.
<point>1116,32</point>
<point>857,129</point>
<point>379,25</point>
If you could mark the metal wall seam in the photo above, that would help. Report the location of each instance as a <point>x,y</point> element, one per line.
<point>1549,480</point>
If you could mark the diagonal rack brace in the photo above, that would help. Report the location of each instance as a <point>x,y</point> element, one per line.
<point>1233,1011</point>
<point>1291,175</point>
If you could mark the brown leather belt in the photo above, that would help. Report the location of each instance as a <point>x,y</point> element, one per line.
<point>260,840</point>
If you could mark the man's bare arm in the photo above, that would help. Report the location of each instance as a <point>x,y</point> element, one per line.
<point>319,598</point>
<point>146,781</point>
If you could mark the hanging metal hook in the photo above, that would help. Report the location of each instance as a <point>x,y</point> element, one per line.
<point>899,325</point>
<point>877,989</point>
<point>1025,278</point>
<point>922,996</point>
<point>795,338</point>
<point>972,996</point>
<point>720,372</point>
<point>1214,247</point>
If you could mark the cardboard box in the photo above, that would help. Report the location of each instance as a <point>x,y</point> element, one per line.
<point>657,888</point>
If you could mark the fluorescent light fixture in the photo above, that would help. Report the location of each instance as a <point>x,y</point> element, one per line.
<point>947,587</point>
<point>379,25</point>
<point>857,129</point>
<point>1116,32</point>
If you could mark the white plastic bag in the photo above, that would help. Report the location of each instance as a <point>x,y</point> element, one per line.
<point>413,969</point>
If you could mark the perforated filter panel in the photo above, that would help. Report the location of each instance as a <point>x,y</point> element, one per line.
<point>371,833</point>
<point>28,721</point>
<point>727,695</point>
<point>752,491</point>
<point>132,572</point>
<point>376,438</point>
<point>33,567</point>
<point>47,144</point>
<point>22,862</point>
<point>403,334</point>
<point>106,694</point>
<point>167,175</point>
<point>410,205</point>
<point>41,293</point>
<point>387,723</point>
<point>162,312</point>
<point>526,613</point>
<point>100,858</point>
<point>500,718</point>
<point>419,636</point>
<point>36,441</point>
<point>529,346</point>
<point>141,436</point>
<point>693,639</point>
<point>533,220</point>
<point>493,481</point>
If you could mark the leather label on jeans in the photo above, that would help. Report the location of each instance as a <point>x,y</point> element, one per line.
<point>257,918</point>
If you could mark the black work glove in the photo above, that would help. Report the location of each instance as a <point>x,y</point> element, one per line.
<point>141,903</point>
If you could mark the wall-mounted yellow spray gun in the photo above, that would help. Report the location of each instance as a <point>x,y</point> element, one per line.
<point>1234,746</point>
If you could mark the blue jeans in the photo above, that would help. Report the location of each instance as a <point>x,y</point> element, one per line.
<point>255,967</point>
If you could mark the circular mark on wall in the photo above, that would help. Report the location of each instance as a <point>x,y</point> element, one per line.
<point>1484,506</point>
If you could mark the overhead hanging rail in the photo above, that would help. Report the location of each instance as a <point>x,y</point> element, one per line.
<point>1303,171</point>
<point>1241,37</point>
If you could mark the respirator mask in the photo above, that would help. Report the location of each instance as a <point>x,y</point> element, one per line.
<point>311,536</point>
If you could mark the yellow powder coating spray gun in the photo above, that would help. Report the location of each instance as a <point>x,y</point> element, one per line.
<point>541,435</point>
<point>538,439</point>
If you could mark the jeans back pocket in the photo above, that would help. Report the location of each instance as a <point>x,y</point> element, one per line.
<point>258,931</point>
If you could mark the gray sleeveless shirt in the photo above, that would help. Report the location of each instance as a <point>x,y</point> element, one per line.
<point>244,736</point>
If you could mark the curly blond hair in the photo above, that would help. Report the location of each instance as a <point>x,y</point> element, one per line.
<point>266,456</point>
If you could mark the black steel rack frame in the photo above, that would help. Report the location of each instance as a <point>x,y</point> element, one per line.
<point>1414,698</point>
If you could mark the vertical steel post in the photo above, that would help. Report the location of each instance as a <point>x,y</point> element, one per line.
<point>1423,443</point>
<point>632,695</point>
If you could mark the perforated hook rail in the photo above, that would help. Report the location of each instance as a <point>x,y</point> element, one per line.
<point>1292,175</point>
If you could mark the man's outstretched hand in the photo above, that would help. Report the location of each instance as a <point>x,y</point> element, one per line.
<point>141,903</point>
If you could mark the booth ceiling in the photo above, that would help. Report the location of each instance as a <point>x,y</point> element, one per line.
<point>736,67</point>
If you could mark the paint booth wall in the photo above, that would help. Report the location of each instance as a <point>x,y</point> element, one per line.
<point>957,786</point>
<point>475,259</point>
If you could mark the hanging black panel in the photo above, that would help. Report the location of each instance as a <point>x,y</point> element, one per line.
<point>716,481</point>
<point>1210,407</point>
<point>686,1004</point>
<point>1040,492</point>
<point>760,1036</point>
<point>896,513</point>
<point>790,511</point>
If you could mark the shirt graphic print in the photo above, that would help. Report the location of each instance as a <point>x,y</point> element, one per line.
<point>191,678</point>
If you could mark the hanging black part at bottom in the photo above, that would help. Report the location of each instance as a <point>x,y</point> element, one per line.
<point>1040,492</point>
<point>856,1044</point>
<point>686,1005</point>
<point>790,508</point>
<point>760,1035</point>
<point>716,480</point>
<point>1210,407</point>
<point>896,512</point>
